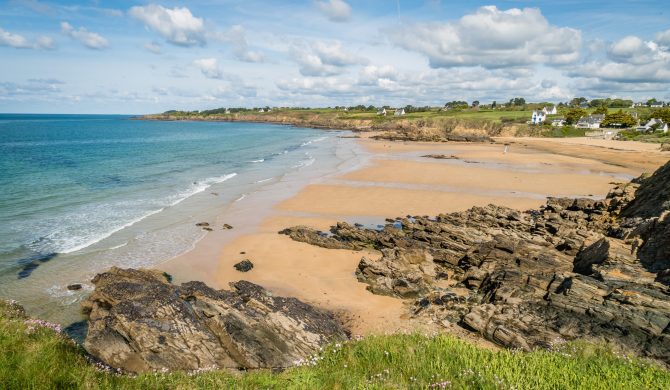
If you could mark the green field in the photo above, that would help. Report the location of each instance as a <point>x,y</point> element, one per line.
<point>35,357</point>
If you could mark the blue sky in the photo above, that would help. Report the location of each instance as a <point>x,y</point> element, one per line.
<point>142,57</point>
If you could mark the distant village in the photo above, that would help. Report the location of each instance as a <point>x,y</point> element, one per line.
<point>602,118</point>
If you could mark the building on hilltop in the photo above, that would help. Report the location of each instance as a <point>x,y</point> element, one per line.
<point>538,117</point>
<point>381,111</point>
<point>590,121</point>
<point>399,112</point>
<point>558,122</point>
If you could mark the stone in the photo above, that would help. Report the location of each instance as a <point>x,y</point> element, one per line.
<point>244,266</point>
<point>202,224</point>
<point>140,323</point>
<point>74,287</point>
<point>574,268</point>
<point>226,226</point>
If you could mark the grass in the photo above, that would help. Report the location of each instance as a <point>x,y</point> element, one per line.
<point>563,132</point>
<point>41,358</point>
<point>656,137</point>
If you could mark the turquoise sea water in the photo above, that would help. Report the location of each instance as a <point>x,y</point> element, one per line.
<point>76,188</point>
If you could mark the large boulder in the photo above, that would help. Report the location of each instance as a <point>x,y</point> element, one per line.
<point>140,322</point>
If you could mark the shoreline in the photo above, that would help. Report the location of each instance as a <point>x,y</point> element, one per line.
<point>325,277</point>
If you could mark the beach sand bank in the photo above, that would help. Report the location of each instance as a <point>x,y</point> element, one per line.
<point>399,181</point>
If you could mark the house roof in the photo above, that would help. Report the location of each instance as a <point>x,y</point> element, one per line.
<point>591,119</point>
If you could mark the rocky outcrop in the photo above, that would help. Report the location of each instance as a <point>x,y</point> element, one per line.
<point>575,268</point>
<point>244,266</point>
<point>140,322</point>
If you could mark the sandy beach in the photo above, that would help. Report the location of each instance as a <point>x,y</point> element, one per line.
<point>398,180</point>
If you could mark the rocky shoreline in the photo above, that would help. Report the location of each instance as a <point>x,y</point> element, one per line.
<point>140,322</point>
<point>576,268</point>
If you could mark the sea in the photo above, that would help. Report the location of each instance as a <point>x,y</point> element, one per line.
<point>82,193</point>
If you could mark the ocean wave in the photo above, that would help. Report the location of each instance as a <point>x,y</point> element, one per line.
<point>264,180</point>
<point>198,187</point>
<point>313,141</point>
<point>260,160</point>
<point>240,198</point>
<point>64,240</point>
<point>306,162</point>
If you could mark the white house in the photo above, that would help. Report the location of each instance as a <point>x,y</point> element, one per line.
<point>399,112</point>
<point>227,111</point>
<point>590,122</point>
<point>649,126</point>
<point>558,122</point>
<point>381,111</point>
<point>656,105</point>
<point>550,110</point>
<point>538,117</point>
<point>261,110</point>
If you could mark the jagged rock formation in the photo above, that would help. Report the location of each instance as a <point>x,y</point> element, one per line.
<point>140,322</point>
<point>575,268</point>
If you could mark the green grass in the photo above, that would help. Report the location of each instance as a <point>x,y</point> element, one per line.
<point>44,359</point>
<point>656,137</point>
<point>563,132</point>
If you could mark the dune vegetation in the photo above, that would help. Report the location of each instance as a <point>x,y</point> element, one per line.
<point>36,354</point>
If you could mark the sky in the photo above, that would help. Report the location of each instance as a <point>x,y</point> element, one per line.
<point>129,57</point>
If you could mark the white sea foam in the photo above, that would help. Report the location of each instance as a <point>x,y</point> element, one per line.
<point>312,141</point>
<point>241,197</point>
<point>258,161</point>
<point>74,243</point>
<point>264,180</point>
<point>198,187</point>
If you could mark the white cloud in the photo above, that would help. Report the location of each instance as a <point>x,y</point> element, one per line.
<point>20,42</point>
<point>663,38</point>
<point>153,47</point>
<point>335,10</point>
<point>13,40</point>
<point>492,38</point>
<point>209,67</point>
<point>89,39</point>
<point>323,58</point>
<point>177,25</point>
<point>237,37</point>
<point>629,60</point>
<point>45,42</point>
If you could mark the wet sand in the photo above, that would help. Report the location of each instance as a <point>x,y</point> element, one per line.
<point>398,181</point>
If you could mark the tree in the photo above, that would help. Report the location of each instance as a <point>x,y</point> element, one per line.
<point>651,101</point>
<point>494,104</point>
<point>517,102</point>
<point>574,114</point>
<point>663,114</point>
<point>618,119</point>
<point>601,110</point>
<point>576,102</point>
<point>475,103</point>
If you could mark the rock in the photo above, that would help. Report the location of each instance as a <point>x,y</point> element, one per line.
<point>244,266</point>
<point>202,224</point>
<point>665,147</point>
<point>442,156</point>
<point>209,229</point>
<point>74,287</point>
<point>140,323</point>
<point>575,268</point>
<point>226,226</point>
